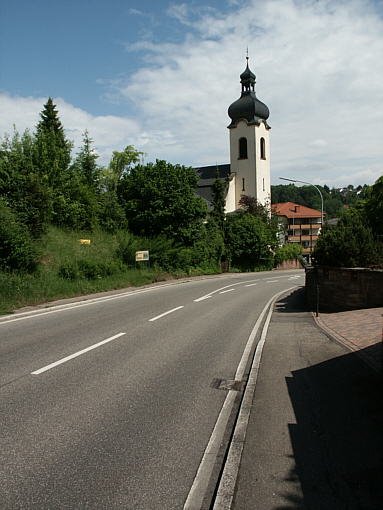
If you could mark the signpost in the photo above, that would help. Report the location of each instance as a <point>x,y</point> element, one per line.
<point>142,255</point>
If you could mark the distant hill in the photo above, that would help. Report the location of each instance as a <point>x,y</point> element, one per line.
<point>334,200</point>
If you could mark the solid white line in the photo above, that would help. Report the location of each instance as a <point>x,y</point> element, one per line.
<point>205,469</point>
<point>228,290</point>
<point>83,351</point>
<point>271,281</point>
<point>251,284</point>
<point>226,489</point>
<point>166,313</point>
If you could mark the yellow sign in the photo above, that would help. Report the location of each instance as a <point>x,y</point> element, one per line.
<point>84,241</point>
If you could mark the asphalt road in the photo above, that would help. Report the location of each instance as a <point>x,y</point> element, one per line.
<point>110,403</point>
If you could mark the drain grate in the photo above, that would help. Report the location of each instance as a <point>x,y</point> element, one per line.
<point>226,384</point>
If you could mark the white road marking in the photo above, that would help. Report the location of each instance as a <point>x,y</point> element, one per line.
<point>221,288</point>
<point>228,290</point>
<point>79,353</point>
<point>271,281</point>
<point>70,306</point>
<point>251,284</point>
<point>201,299</point>
<point>197,492</point>
<point>166,313</point>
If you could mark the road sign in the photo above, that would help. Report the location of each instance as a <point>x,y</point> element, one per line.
<point>142,255</point>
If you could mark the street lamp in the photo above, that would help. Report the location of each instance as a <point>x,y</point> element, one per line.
<point>318,190</point>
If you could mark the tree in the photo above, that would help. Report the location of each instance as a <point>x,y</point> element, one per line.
<point>251,206</point>
<point>333,200</point>
<point>217,214</point>
<point>17,251</point>
<point>23,187</point>
<point>249,241</point>
<point>53,149</point>
<point>374,208</point>
<point>111,212</point>
<point>348,244</point>
<point>120,165</point>
<point>160,199</point>
<point>86,162</point>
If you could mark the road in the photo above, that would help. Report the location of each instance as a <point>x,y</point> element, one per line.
<point>112,402</point>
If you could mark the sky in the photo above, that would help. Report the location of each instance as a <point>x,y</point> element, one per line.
<point>160,75</point>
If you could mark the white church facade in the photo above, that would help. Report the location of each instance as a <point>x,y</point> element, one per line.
<point>249,170</point>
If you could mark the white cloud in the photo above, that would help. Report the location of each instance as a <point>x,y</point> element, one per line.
<point>108,132</point>
<point>318,67</point>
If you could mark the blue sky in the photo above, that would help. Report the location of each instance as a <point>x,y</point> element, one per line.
<point>161,74</point>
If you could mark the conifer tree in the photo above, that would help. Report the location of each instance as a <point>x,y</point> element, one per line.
<point>217,213</point>
<point>53,148</point>
<point>86,161</point>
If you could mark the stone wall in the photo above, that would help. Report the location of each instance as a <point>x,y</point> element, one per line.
<point>290,264</point>
<point>341,289</point>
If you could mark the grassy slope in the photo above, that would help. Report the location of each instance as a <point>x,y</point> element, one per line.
<point>60,248</point>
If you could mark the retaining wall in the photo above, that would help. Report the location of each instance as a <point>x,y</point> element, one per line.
<point>340,289</point>
<point>290,264</point>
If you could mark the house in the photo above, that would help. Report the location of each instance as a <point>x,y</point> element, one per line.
<point>248,172</point>
<point>301,224</point>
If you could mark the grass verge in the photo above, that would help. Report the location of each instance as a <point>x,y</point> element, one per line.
<point>68,268</point>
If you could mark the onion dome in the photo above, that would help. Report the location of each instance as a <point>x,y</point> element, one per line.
<point>248,106</point>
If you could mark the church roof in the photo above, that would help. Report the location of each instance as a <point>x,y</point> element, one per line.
<point>212,172</point>
<point>248,106</point>
<point>207,176</point>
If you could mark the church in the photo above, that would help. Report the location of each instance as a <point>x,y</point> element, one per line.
<point>249,170</point>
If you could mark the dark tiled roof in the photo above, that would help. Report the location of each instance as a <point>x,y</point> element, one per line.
<point>207,176</point>
<point>210,172</point>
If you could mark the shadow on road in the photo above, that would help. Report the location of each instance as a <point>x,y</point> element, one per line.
<point>337,438</point>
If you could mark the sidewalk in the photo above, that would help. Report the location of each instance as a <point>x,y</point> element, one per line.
<point>359,330</point>
<point>314,437</point>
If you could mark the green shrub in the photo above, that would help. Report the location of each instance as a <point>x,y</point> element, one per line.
<point>17,250</point>
<point>349,244</point>
<point>248,242</point>
<point>127,246</point>
<point>290,251</point>
<point>88,269</point>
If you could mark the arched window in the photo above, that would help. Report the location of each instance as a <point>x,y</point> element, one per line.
<point>242,148</point>
<point>263,148</point>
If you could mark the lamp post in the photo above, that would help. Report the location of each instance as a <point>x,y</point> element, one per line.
<point>318,190</point>
<point>321,226</point>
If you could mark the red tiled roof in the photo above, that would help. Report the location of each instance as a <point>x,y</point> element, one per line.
<point>292,210</point>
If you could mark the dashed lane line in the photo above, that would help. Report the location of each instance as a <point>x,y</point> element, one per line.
<point>76,354</point>
<point>165,313</point>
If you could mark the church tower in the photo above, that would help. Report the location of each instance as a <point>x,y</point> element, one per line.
<point>250,143</point>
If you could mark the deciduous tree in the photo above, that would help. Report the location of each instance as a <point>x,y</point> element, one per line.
<point>159,199</point>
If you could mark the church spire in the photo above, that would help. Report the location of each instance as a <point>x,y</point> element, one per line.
<point>247,77</point>
<point>248,106</point>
